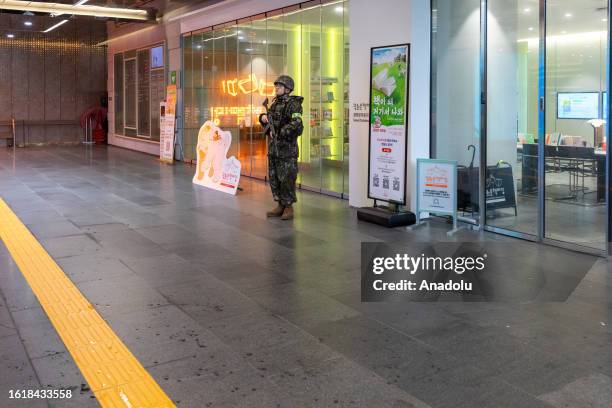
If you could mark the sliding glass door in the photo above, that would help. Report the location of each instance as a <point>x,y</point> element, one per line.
<point>574,156</point>
<point>511,183</point>
<point>531,82</point>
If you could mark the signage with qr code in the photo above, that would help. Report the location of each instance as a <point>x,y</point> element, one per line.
<point>166,133</point>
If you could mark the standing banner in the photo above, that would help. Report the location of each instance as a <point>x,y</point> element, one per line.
<point>167,118</point>
<point>214,169</point>
<point>437,189</point>
<point>389,73</point>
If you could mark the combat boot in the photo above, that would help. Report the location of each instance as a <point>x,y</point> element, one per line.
<point>287,213</point>
<point>276,212</point>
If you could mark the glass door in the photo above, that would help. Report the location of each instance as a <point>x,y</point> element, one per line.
<point>511,177</point>
<point>574,129</point>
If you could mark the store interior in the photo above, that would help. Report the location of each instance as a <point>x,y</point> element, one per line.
<point>229,71</point>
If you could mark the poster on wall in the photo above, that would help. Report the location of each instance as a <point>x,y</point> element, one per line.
<point>214,169</point>
<point>171,99</point>
<point>389,73</point>
<point>166,134</point>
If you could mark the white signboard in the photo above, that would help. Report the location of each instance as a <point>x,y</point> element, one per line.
<point>166,134</point>
<point>388,113</point>
<point>214,170</point>
<point>437,186</point>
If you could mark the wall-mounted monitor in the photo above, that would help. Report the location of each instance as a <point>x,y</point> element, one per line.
<point>157,57</point>
<point>578,105</point>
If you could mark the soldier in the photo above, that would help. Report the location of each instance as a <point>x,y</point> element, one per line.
<point>283,123</point>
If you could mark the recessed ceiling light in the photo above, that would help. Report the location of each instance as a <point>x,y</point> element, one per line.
<point>10,35</point>
<point>530,28</point>
<point>604,19</point>
<point>339,9</point>
<point>27,23</point>
<point>526,10</point>
<point>568,15</point>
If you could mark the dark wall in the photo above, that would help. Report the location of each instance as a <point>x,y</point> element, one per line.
<point>48,80</point>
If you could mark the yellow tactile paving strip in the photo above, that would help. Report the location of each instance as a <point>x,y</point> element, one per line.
<point>113,373</point>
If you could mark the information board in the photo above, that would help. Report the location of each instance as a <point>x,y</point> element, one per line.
<point>166,136</point>
<point>436,186</point>
<point>389,73</point>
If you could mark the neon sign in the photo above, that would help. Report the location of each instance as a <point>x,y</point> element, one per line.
<point>241,114</point>
<point>249,85</point>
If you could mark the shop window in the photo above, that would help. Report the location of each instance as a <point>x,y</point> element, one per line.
<point>229,70</point>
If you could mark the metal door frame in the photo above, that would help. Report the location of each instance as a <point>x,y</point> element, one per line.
<point>540,236</point>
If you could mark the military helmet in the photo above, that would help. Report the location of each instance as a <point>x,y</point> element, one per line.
<point>286,81</point>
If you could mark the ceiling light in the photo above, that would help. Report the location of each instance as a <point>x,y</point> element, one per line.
<point>526,10</point>
<point>339,9</point>
<point>27,23</point>
<point>530,28</point>
<point>10,35</point>
<point>241,38</point>
<point>81,10</point>
<point>568,15</point>
<point>55,26</point>
<point>604,19</point>
<point>563,32</point>
<point>249,49</point>
<point>78,3</point>
<point>264,42</point>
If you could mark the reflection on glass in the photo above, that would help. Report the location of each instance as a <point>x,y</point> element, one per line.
<point>576,51</point>
<point>512,117</point>
<point>231,70</point>
<point>456,94</point>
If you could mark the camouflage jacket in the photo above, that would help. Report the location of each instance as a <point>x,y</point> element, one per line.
<point>285,113</point>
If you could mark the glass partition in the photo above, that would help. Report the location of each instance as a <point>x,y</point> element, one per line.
<point>456,94</point>
<point>575,160</point>
<point>546,113</point>
<point>230,70</point>
<point>512,116</point>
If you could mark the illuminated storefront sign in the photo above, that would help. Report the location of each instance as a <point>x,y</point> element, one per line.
<point>246,86</point>
<point>236,115</point>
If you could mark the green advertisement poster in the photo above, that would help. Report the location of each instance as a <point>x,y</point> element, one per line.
<point>390,67</point>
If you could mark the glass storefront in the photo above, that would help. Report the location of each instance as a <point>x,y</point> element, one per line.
<point>525,80</point>
<point>229,70</point>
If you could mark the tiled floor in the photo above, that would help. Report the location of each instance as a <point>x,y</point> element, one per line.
<point>228,309</point>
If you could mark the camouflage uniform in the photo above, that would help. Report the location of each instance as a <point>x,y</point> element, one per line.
<point>285,113</point>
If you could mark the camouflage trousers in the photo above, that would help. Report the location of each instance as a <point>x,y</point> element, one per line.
<point>283,173</point>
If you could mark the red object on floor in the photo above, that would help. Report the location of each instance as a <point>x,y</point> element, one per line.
<point>99,136</point>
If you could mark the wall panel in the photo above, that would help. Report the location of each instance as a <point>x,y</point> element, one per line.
<point>51,77</point>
